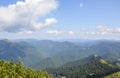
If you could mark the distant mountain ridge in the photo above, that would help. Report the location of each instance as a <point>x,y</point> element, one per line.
<point>10,49</point>
<point>49,53</point>
<point>83,61</point>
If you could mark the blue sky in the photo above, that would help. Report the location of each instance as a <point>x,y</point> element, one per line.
<point>60,19</point>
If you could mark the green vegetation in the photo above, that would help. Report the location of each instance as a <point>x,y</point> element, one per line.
<point>94,69</point>
<point>114,75</point>
<point>11,70</point>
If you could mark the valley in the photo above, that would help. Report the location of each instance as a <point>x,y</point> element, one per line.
<point>65,58</point>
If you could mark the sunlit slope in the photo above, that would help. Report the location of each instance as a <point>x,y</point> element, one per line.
<point>114,75</point>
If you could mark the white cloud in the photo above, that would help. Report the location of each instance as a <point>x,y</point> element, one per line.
<point>50,21</point>
<point>25,15</point>
<point>118,30</point>
<point>29,32</point>
<point>102,28</point>
<point>71,33</point>
<point>54,32</point>
<point>107,30</point>
<point>24,32</point>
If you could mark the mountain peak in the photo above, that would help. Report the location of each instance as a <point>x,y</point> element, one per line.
<point>94,57</point>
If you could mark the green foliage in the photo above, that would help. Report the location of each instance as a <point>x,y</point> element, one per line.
<point>93,69</point>
<point>11,70</point>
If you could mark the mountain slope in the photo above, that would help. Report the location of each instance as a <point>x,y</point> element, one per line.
<point>48,53</point>
<point>104,47</point>
<point>20,51</point>
<point>114,75</point>
<point>9,49</point>
<point>56,51</point>
<point>83,61</point>
<point>94,69</point>
<point>112,57</point>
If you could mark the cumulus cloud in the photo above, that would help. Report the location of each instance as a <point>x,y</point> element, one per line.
<point>54,32</point>
<point>107,30</point>
<point>25,15</point>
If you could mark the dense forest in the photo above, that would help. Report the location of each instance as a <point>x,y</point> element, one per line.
<point>12,70</point>
<point>94,69</point>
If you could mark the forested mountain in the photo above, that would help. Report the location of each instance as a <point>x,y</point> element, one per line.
<point>83,61</point>
<point>10,49</point>
<point>64,58</point>
<point>69,51</point>
<point>96,68</point>
<point>112,57</point>
<point>49,53</point>
<point>104,47</point>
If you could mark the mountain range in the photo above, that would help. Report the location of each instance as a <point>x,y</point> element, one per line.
<point>49,53</point>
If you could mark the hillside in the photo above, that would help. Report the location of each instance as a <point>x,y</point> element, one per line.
<point>67,51</point>
<point>10,49</point>
<point>114,75</point>
<point>112,57</point>
<point>94,69</point>
<point>83,61</point>
<point>106,47</point>
<point>65,58</point>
